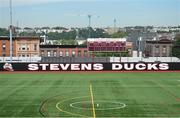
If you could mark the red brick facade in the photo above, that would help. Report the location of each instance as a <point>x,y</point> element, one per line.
<point>63,51</point>
<point>5,47</point>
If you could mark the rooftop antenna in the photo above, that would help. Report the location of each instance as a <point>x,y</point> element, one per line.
<point>10,32</point>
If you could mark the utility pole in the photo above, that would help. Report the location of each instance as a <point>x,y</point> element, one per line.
<point>10,33</point>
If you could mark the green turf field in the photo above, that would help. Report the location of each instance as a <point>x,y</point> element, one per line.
<point>69,95</point>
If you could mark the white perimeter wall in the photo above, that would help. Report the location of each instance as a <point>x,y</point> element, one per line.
<point>149,59</point>
<point>21,59</point>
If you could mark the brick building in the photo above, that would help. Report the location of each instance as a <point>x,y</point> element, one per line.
<point>5,46</point>
<point>22,46</point>
<point>63,51</point>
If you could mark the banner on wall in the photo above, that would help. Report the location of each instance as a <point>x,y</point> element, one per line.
<point>90,67</point>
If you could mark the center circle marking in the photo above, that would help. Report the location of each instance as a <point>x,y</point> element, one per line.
<point>98,105</point>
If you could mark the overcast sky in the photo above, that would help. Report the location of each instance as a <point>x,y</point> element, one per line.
<point>73,13</point>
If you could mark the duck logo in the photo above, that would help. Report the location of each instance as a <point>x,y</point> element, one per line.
<point>8,67</point>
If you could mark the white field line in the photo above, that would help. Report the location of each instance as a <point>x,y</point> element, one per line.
<point>92,100</point>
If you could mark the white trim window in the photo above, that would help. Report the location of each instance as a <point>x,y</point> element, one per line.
<point>73,53</point>
<point>67,53</point>
<point>60,53</point>
<point>48,53</point>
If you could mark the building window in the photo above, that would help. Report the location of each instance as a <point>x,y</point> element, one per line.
<point>157,49</point>
<point>55,53</point>
<point>79,53</point>
<point>4,47</point>
<point>60,53</point>
<point>27,55</point>
<point>164,49</point>
<point>35,47</point>
<point>73,53</point>
<point>24,47</point>
<point>4,55</point>
<point>85,53</point>
<point>49,53</point>
<point>42,53</point>
<point>23,55</point>
<point>28,47</point>
<point>67,53</point>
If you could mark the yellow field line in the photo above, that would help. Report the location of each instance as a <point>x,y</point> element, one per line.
<point>92,101</point>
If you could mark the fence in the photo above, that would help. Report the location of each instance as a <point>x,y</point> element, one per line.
<point>74,59</point>
<point>87,59</point>
<point>20,59</point>
<point>130,66</point>
<point>141,59</point>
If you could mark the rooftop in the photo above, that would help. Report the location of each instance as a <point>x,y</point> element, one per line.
<point>19,37</point>
<point>63,46</point>
<point>106,39</point>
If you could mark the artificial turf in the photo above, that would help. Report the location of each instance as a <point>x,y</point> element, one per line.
<point>68,94</point>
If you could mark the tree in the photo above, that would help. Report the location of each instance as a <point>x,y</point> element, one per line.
<point>176,47</point>
<point>119,34</point>
<point>4,32</point>
<point>68,42</point>
<point>29,34</point>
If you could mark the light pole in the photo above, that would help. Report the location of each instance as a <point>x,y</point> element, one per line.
<point>89,17</point>
<point>139,48</point>
<point>10,32</point>
<point>157,49</point>
<point>171,50</point>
